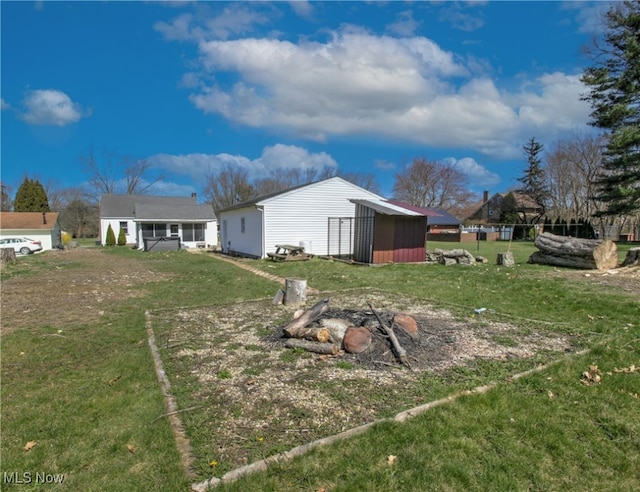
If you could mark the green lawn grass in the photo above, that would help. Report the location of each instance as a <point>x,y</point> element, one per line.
<point>88,393</point>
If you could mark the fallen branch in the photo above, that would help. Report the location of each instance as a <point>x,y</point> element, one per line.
<point>306,318</point>
<point>400,352</point>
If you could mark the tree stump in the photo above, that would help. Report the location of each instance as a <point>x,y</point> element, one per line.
<point>295,291</point>
<point>506,259</point>
<point>7,255</point>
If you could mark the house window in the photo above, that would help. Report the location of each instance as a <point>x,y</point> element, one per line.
<point>192,232</point>
<point>242,225</point>
<point>124,226</point>
<point>154,230</point>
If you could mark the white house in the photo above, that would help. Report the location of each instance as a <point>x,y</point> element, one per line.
<point>145,216</point>
<point>318,216</point>
<point>39,226</point>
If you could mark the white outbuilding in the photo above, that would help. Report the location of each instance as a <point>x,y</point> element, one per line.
<point>319,216</point>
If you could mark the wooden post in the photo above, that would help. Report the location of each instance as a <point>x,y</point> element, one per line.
<point>506,259</point>
<point>295,291</point>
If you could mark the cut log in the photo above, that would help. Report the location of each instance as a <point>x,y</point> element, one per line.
<point>295,291</point>
<point>306,318</point>
<point>7,255</point>
<point>336,327</point>
<point>408,324</point>
<point>564,251</point>
<point>632,258</point>
<point>357,339</point>
<point>316,347</point>
<point>400,352</point>
<point>322,335</point>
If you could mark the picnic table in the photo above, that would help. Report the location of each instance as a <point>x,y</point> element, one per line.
<point>288,252</point>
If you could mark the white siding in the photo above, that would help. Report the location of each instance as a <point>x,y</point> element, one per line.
<point>115,225</point>
<point>302,214</point>
<point>247,243</point>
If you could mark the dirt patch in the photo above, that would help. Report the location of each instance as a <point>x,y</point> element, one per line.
<point>76,286</point>
<point>259,397</point>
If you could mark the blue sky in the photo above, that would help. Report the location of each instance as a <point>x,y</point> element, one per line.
<point>360,86</point>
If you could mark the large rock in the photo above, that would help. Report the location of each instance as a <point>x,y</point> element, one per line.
<point>356,339</point>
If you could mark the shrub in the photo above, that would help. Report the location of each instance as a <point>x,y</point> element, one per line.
<point>122,238</point>
<point>111,237</point>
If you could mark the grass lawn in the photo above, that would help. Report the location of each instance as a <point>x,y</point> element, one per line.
<point>87,394</point>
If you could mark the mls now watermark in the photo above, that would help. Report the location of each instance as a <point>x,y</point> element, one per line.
<point>20,478</point>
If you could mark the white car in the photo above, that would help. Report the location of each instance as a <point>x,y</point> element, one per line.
<point>22,245</point>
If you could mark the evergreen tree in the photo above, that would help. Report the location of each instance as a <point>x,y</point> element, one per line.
<point>534,180</point>
<point>614,94</point>
<point>509,209</point>
<point>111,237</point>
<point>31,197</point>
<point>122,238</point>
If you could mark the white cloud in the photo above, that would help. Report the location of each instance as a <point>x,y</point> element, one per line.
<point>50,107</point>
<point>589,15</point>
<point>405,24</point>
<point>4,105</point>
<point>275,157</point>
<point>234,19</point>
<point>478,175</point>
<point>384,165</point>
<point>357,83</point>
<point>302,8</point>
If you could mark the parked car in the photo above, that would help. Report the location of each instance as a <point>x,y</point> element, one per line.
<point>22,245</point>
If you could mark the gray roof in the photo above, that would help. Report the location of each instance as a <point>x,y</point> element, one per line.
<point>386,208</point>
<point>182,213</point>
<point>154,208</point>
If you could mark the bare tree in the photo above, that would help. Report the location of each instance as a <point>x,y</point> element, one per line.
<point>363,180</point>
<point>426,183</point>
<point>110,173</point>
<point>572,167</point>
<point>228,187</point>
<point>7,202</point>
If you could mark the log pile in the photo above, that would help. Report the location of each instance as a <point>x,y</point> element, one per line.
<point>564,251</point>
<point>317,330</point>
<point>452,257</point>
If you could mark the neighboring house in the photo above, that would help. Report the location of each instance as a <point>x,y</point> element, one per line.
<point>317,215</point>
<point>489,210</point>
<point>438,220</point>
<point>145,216</point>
<point>39,226</point>
<point>389,232</point>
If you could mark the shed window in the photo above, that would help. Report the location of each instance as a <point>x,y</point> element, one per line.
<point>124,226</point>
<point>242,225</point>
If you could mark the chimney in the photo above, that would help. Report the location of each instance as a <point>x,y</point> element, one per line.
<point>193,195</point>
<point>44,218</point>
<point>485,196</point>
